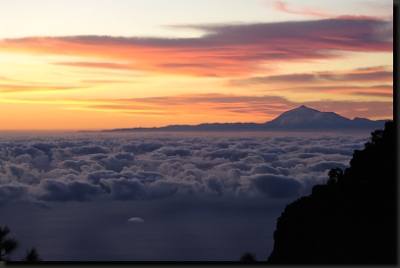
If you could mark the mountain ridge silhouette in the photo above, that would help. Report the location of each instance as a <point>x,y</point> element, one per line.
<point>299,119</point>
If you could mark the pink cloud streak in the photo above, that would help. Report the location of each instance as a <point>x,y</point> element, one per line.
<point>313,12</point>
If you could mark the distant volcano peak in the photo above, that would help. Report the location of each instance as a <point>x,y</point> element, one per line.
<point>303,107</point>
<point>304,116</point>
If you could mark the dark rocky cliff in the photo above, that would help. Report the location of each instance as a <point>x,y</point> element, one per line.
<point>352,219</point>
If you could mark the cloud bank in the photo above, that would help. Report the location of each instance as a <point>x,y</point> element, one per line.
<point>148,167</point>
<point>159,196</point>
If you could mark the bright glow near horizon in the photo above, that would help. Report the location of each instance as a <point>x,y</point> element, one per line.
<point>101,64</point>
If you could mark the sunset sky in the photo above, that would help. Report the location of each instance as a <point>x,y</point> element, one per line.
<point>97,64</point>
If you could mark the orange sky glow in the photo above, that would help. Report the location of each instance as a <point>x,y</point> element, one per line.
<point>229,72</point>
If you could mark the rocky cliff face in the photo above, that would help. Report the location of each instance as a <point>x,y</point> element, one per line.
<point>352,219</point>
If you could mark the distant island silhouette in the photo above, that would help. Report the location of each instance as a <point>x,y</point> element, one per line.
<point>299,119</point>
<point>352,218</point>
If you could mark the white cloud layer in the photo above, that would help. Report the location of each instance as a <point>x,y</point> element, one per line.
<point>145,167</point>
<point>205,196</point>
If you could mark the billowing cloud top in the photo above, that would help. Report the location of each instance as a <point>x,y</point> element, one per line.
<point>79,168</point>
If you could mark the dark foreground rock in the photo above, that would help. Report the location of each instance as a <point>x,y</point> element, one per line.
<point>352,219</point>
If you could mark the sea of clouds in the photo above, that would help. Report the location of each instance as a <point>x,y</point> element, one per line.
<point>159,196</point>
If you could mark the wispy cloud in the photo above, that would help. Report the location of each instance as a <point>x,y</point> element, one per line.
<point>379,90</point>
<point>223,50</point>
<point>384,76</point>
<point>365,81</point>
<point>104,65</point>
<point>255,108</point>
<point>12,88</point>
<point>283,6</point>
